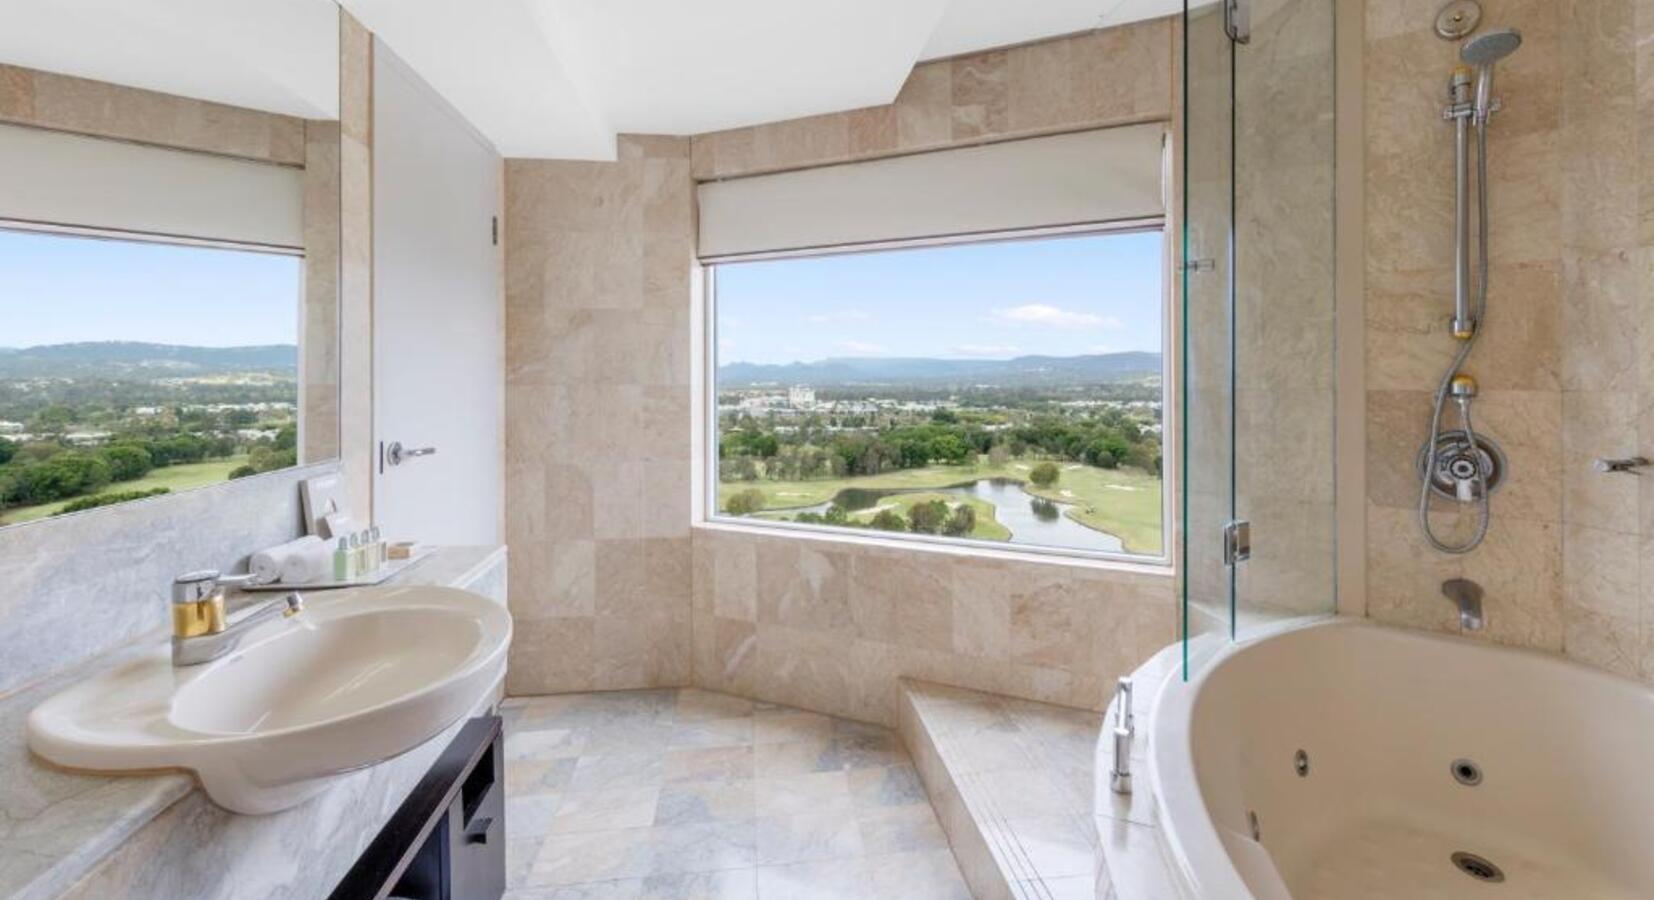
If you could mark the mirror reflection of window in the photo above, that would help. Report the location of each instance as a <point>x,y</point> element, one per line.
<point>131,368</point>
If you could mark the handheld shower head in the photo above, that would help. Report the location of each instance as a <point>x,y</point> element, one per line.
<point>1482,52</point>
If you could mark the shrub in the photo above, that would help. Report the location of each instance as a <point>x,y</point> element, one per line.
<point>927,518</point>
<point>745,503</point>
<point>98,500</point>
<point>889,520</point>
<point>1045,474</point>
<point>126,461</point>
<point>962,522</point>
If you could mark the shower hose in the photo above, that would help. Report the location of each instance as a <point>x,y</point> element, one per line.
<point>1483,510</point>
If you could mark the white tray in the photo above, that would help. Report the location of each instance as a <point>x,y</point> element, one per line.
<point>389,569</point>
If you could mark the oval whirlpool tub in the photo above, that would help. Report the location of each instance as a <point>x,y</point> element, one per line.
<point>1342,759</point>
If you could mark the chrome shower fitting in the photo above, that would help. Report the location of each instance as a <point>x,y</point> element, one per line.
<point>1463,465</point>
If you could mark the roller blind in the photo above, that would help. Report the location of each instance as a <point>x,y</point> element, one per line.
<point>68,179</point>
<point>1092,176</point>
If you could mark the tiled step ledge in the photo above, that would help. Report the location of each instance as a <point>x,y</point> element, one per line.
<point>1011,781</point>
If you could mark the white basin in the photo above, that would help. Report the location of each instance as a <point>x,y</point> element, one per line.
<point>355,679</point>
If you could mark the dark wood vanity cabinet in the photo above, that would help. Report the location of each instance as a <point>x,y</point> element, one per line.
<point>447,840</point>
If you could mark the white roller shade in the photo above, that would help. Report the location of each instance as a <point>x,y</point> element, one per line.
<point>1092,176</point>
<point>68,179</point>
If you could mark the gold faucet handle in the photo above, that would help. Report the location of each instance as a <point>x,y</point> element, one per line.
<point>193,618</point>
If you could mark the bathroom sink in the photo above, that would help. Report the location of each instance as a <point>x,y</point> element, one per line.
<point>357,678</point>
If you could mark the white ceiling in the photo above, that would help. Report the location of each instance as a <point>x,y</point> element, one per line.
<point>275,55</point>
<point>971,25</point>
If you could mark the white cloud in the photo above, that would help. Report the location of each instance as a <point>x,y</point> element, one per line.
<point>987,350</point>
<point>861,348</point>
<point>848,315</point>
<point>1044,314</point>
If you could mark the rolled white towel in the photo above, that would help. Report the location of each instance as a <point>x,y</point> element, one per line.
<point>267,564</point>
<point>310,563</point>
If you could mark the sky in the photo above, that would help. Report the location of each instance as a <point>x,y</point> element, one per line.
<point>59,290</point>
<point>1065,296</point>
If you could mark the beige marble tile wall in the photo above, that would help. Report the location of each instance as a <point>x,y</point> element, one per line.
<point>319,338</point>
<point>1112,76</point>
<point>102,109</point>
<point>1564,361</point>
<point>356,262</point>
<point>1283,324</point>
<point>831,625</point>
<point>598,273</point>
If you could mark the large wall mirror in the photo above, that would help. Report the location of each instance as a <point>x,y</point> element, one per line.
<point>169,248</point>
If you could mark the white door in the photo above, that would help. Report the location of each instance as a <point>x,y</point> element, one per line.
<point>439,353</point>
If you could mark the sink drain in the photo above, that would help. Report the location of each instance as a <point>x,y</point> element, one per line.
<point>1477,867</point>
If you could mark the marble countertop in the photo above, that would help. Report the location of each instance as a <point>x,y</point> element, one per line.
<point>55,825</point>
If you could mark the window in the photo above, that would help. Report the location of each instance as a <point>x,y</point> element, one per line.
<point>132,368</point>
<point>1006,391</point>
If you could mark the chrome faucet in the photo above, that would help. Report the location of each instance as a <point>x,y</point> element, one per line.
<point>1119,774</point>
<point>1467,595</point>
<point>200,630</point>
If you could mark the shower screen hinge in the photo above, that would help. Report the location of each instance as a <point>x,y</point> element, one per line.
<point>1237,20</point>
<point>1237,541</point>
<point>1200,265</point>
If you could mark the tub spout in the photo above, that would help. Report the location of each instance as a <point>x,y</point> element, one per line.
<point>1467,595</point>
<point>1119,774</point>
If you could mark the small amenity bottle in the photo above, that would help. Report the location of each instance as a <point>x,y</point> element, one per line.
<point>341,562</point>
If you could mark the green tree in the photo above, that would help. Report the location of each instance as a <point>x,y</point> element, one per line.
<point>889,520</point>
<point>745,503</point>
<point>1045,474</point>
<point>927,518</point>
<point>961,522</point>
<point>7,451</point>
<point>126,461</point>
<point>836,515</point>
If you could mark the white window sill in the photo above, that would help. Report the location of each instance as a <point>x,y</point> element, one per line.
<point>1151,566</point>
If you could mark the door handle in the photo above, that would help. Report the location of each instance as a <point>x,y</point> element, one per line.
<point>396,454</point>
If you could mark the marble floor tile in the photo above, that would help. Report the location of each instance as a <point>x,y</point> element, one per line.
<point>603,810</point>
<point>782,726</point>
<point>925,875</point>
<point>715,801</point>
<point>693,795</point>
<point>804,837</point>
<point>886,786</point>
<point>788,795</point>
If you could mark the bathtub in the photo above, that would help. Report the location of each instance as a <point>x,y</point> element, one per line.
<point>1343,759</point>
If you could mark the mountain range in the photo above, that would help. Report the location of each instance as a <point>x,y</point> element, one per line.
<point>1021,371</point>
<point>132,359</point>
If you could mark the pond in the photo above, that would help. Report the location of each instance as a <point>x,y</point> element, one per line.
<point>1031,520</point>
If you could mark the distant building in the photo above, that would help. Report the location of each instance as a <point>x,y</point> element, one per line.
<point>801,397</point>
<point>86,438</point>
<point>9,427</point>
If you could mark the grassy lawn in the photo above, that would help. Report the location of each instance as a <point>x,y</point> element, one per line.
<point>176,478</point>
<point>1123,502</point>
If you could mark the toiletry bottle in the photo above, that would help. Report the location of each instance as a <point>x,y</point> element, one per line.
<point>378,547</point>
<point>341,562</point>
<point>355,556</point>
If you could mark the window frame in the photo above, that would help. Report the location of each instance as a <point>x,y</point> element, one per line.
<point>707,423</point>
